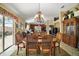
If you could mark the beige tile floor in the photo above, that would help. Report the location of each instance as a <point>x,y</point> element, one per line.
<point>12,51</point>
<point>72,51</point>
<point>8,42</point>
<point>31,53</point>
<point>1,45</point>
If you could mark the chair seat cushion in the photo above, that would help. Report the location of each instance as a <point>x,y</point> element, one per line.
<point>46,50</point>
<point>21,45</point>
<point>32,49</point>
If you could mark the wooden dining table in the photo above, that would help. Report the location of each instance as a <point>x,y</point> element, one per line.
<point>39,43</point>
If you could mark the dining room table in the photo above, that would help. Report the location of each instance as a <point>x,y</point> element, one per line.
<point>39,41</point>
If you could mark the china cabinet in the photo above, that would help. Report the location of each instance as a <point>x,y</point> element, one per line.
<point>71,32</point>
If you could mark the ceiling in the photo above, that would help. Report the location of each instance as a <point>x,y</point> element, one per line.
<point>29,10</point>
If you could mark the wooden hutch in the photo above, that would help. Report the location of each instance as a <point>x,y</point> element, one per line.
<point>43,26</point>
<point>71,32</point>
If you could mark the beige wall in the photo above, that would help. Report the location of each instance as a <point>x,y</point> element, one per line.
<point>58,23</point>
<point>49,22</point>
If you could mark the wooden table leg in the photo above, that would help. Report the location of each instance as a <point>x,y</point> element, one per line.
<point>26,51</point>
<point>54,48</point>
<point>26,48</point>
<point>38,49</point>
<point>17,49</point>
<point>59,48</point>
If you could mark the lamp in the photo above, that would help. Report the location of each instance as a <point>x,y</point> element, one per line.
<point>39,17</point>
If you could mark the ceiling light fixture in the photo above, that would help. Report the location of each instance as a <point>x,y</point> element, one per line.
<point>62,6</point>
<point>39,17</point>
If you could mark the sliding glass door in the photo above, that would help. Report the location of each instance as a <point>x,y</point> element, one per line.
<point>8,32</point>
<point>1,33</point>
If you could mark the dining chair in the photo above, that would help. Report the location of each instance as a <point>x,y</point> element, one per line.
<point>19,41</point>
<point>47,44</point>
<point>31,44</point>
<point>59,37</point>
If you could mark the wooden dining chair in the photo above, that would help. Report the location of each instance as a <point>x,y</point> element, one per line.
<point>59,37</point>
<point>31,44</point>
<point>47,44</point>
<point>19,41</point>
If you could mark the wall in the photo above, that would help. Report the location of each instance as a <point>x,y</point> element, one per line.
<point>57,23</point>
<point>48,23</point>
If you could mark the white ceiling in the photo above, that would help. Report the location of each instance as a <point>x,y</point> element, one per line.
<point>29,10</point>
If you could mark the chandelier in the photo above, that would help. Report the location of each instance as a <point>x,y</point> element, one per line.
<point>39,17</point>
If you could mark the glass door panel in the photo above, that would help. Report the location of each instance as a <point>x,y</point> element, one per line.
<point>8,40</point>
<point>1,33</point>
